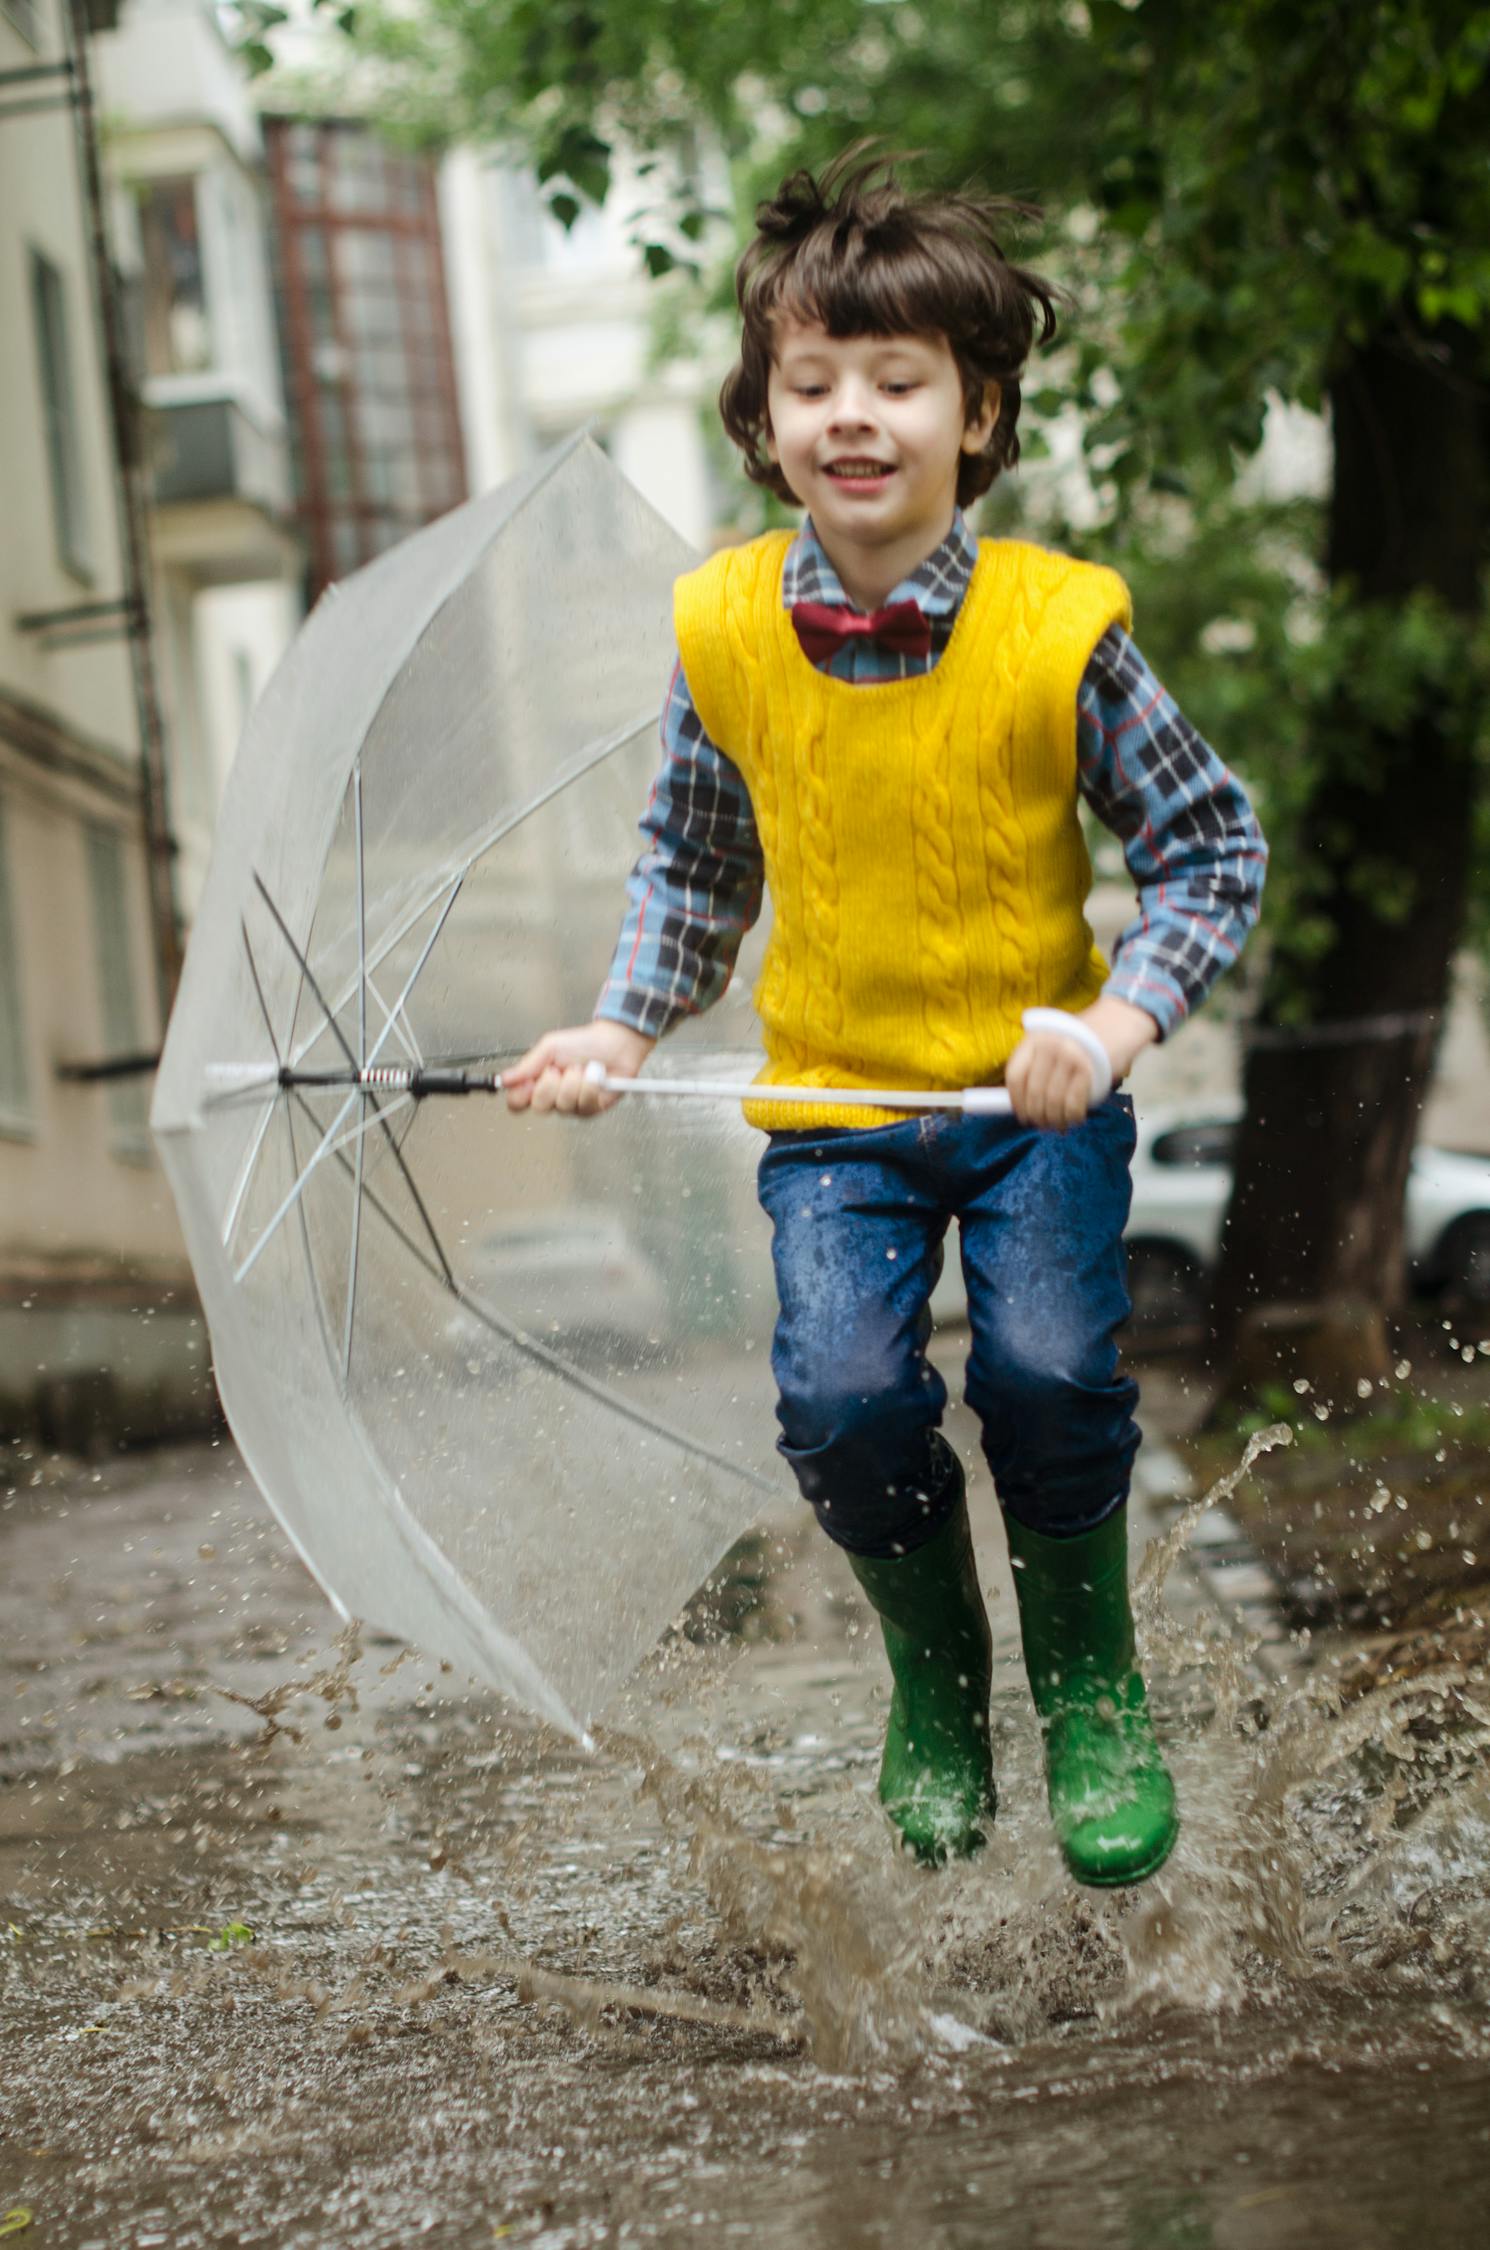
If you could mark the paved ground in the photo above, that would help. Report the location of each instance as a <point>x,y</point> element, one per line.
<point>298,1947</point>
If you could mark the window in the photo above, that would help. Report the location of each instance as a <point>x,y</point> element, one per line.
<point>119,1017</point>
<point>368,361</point>
<point>1213,1142</point>
<point>59,410</point>
<point>178,332</point>
<point>15,1085</point>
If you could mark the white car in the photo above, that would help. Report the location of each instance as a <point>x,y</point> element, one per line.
<point>1182,1184</point>
<point>1181,1187</point>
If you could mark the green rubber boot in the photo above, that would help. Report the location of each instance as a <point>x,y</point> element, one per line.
<point>936,1777</point>
<point>1111,1797</point>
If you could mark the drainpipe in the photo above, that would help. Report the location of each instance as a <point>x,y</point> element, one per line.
<point>129,485</point>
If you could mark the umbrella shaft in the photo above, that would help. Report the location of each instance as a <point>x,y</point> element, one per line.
<point>979,1101</point>
<point>391,1078</point>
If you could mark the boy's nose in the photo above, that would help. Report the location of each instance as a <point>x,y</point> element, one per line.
<point>852,407</point>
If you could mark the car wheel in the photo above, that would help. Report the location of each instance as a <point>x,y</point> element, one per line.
<point>1167,1288</point>
<point>1465,1260</point>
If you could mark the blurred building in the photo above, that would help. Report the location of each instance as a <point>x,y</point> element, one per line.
<point>365,336</point>
<point>186,159</point>
<point>89,1251</point>
<point>554,330</point>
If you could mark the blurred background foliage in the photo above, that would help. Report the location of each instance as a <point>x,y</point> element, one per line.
<point>1235,195</point>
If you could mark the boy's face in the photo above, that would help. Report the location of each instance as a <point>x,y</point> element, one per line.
<point>838,404</point>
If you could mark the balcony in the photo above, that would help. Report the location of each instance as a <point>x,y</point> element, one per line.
<point>220,482</point>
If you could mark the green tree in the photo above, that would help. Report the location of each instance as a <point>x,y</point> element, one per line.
<point>1292,202</point>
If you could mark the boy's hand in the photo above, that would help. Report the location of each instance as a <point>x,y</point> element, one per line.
<point>552,1074</point>
<point>1049,1079</point>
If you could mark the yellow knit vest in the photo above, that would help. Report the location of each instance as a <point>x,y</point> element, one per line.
<point>923,855</point>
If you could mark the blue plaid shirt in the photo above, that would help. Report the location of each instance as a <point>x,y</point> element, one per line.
<point>1189,835</point>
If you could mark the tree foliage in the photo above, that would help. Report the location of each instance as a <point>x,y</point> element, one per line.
<point>1252,201</point>
<point>1242,193</point>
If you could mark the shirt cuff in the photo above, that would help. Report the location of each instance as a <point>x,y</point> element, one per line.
<point>1158,996</point>
<point>650,1013</point>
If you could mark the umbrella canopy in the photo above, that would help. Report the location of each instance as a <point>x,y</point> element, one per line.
<point>502,1380</point>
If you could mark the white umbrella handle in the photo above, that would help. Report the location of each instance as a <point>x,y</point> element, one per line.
<point>973,1101</point>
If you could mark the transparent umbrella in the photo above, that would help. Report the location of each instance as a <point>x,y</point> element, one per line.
<point>503,1381</point>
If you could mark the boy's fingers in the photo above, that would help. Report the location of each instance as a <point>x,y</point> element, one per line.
<point>525,1064</point>
<point>570,1086</point>
<point>545,1090</point>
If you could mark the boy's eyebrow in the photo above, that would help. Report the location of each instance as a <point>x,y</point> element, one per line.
<point>797,350</point>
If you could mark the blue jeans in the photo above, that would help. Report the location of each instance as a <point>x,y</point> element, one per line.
<point>860,1218</point>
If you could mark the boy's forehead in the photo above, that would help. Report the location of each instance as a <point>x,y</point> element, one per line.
<point>798,338</point>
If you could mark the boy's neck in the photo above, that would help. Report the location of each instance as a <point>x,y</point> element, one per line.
<point>869,575</point>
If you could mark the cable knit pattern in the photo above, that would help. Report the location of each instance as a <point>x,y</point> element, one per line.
<point>1006,842</point>
<point>947,1002</point>
<point>920,836</point>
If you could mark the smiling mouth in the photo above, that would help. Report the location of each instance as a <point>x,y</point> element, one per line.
<point>860,471</point>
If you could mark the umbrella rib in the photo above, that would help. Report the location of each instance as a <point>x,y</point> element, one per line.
<point>250,1165</point>
<point>577,767</point>
<point>418,969</point>
<point>356,1241</point>
<point>361,919</point>
<point>378,1113</point>
<point>306,971</point>
<point>416,1252</point>
<point>317,1294</point>
<point>255,1148</point>
<point>297,1189</point>
<point>396,1150</point>
<point>346,1340</point>
<point>331,1141</point>
<point>253,970</point>
<point>404,1027</point>
<point>605,1396</point>
<point>554,1361</point>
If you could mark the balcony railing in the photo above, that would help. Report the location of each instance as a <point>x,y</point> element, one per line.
<point>206,449</point>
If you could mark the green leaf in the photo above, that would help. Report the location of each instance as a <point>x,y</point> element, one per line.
<point>231,1934</point>
<point>1462,303</point>
<point>659,259</point>
<point>566,208</point>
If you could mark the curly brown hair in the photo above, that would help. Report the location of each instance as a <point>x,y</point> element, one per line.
<point>867,259</point>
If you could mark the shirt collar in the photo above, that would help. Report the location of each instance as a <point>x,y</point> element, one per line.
<point>936,585</point>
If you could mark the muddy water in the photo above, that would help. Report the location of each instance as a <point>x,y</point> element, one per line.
<point>499,1990</point>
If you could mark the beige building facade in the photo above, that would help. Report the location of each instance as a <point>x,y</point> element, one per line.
<point>97,1328</point>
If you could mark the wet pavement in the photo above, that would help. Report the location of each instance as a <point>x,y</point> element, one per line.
<point>300,1946</point>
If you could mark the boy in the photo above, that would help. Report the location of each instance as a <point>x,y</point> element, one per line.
<point>889,723</point>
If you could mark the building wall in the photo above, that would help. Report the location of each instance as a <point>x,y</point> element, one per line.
<point>185,153</point>
<point>88,1238</point>
<point>553,330</point>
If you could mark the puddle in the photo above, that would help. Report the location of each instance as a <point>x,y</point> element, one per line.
<point>334,1957</point>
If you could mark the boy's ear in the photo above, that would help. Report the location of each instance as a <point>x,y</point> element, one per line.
<point>984,423</point>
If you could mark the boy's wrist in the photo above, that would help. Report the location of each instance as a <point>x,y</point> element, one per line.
<point>630,1047</point>
<point>1124,1029</point>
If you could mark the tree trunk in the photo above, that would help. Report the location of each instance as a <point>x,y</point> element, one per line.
<point>1340,1058</point>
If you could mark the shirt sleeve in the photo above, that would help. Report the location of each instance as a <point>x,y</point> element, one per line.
<point>1189,835</point>
<point>697,887</point>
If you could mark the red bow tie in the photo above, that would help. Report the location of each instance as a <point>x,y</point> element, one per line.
<point>899,625</point>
